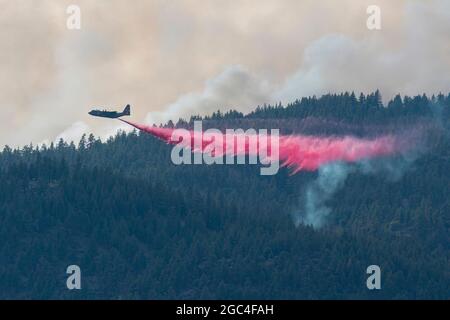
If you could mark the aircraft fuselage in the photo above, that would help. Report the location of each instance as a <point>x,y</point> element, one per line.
<point>110,114</point>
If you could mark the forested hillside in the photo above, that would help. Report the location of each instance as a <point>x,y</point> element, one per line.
<point>141,227</point>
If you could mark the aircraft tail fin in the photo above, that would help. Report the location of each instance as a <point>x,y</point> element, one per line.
<point>127,110</point>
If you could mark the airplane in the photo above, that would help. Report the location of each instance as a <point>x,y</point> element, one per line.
<point>111,114</point>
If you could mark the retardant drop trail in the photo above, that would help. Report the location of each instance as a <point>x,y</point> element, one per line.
<point>299,152</point>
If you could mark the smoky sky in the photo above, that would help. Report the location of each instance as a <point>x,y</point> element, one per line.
<point>172,59</point>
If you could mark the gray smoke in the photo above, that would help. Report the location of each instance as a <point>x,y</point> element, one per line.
<point>330,179</point>
<point>314,209</point>
<point>236,87</point>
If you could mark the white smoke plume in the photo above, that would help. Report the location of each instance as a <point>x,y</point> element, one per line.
<point>234,88</point>
<point>314,210</point>
<point>330,179</point>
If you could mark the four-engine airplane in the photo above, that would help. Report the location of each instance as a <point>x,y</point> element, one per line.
<point>111,114</point>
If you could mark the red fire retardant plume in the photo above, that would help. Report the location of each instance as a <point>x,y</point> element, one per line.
<point>299,152</point>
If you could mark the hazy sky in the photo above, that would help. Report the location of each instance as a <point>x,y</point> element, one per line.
<point>181,57</point>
